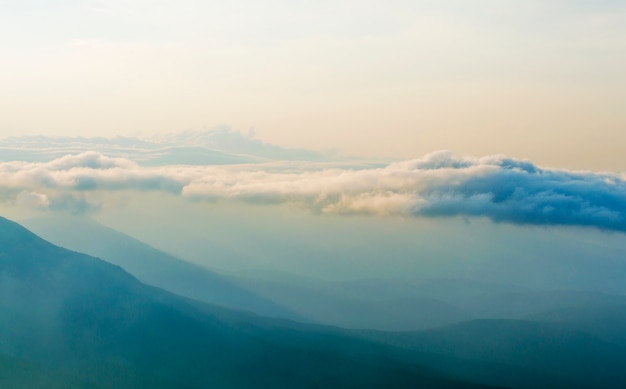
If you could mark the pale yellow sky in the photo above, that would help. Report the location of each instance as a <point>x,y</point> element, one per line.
<point>536,79</point>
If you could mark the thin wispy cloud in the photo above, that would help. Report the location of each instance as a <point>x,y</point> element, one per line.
<point>440,184</point>
<point>194,147</point>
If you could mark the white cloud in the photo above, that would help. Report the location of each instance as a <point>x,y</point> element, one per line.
<point>439,184</point>
<point>33,200</point>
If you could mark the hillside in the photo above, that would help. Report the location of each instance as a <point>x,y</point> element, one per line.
<point>80,316</point>
<point>150,265</point>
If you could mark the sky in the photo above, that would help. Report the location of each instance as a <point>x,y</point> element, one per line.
<point>541,80</point>
<point>339,139</point>
<point>232,202</point>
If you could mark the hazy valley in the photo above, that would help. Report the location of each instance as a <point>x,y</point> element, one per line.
<point>77,320</point>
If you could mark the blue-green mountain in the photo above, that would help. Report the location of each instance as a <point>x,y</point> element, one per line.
<point>73,317</point>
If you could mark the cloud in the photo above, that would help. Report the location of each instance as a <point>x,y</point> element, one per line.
<point>194,147</point>
<point>65,202</point>
<point>440,184</point>
<point>235,142</point>
<point>518,192</point>
<point>89,159</point>
<point>32,200</point>
<point>87,171</point>
<point>74,204</point>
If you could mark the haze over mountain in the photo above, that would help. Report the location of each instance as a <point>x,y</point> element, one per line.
<point>412,304</point>
<point>71,317</point>
<point>563,353</point>
<point>149,265</point>
<point>81,316</point>
<point>296,298</point>
<point>407,303</point>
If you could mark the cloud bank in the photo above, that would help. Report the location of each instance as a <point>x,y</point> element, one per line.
<point>219,146</point>
<point>438,185</point>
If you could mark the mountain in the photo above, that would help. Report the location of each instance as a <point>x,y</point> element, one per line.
<point>152,266</point>
<point>606,321</point>
<point>16,373</point>
<point>381,304</point>
<point>193,147</point>
<point>351,304</point>
<point>533,303</point>
<point>556,354</point>
<point>78,316</point>
<point>407,304</point>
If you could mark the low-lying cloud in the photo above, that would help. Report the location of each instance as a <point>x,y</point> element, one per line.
<point>438,185</point>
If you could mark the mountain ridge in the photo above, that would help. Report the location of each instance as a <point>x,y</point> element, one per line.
<point>106,327</point>
<point>153,266</point>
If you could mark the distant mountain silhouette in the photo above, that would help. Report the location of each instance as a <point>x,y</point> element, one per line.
<point>350,304</point>
<point>557,355</point>
<point>605,321</point>
<point>413,304</point>
<point>81,317</point>
<point>152,266</point>
<point>194,147</point>
<point>382,304</point>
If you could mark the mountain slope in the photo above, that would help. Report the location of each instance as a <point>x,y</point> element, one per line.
<point>341,304</point>
<point>570,357</point>
<point>150,265</point>
<point>412,303</point>
<point>607,322</point>
<point>81,316</point>
<point>19,374</point>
